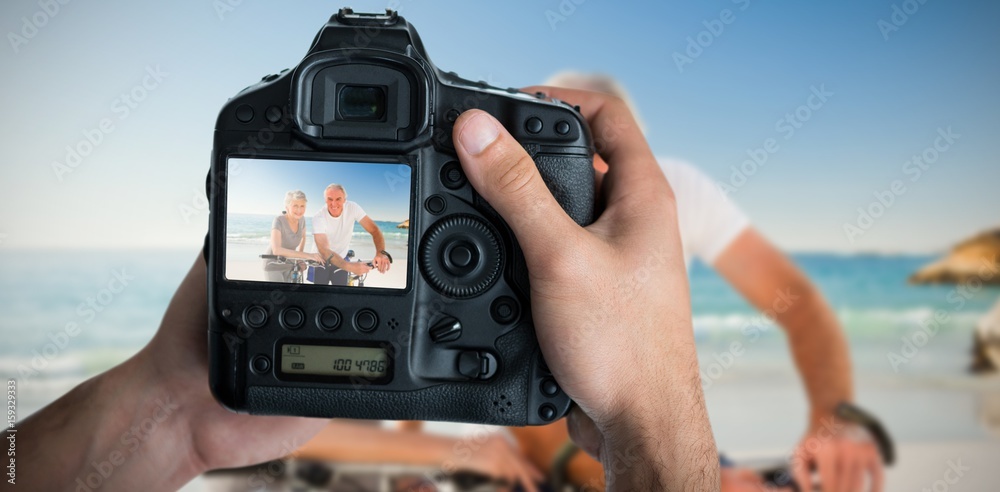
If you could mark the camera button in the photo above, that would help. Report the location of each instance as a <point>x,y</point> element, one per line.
<point>562,127</point>
<point>260,364</point>
<point>477,365</point>
<point>504,310</point>
<point>244,113</point>
<point>547,412</point>
<point>459,255</point>
<point>328,319</point>
<point>273,114</point>
<point>446,330</point>
<point>255,316</point>
<point>435,204</point>
<point>292,318</point>
<point>549,387</point>
<point>533,125</point>
<point>452,176</point>
<point>451,115</point>
<point>365,320</point>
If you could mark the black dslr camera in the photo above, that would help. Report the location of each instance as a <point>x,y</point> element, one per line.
<point>360,132</point>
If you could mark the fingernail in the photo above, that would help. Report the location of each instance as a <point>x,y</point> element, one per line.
<point>478,133</point>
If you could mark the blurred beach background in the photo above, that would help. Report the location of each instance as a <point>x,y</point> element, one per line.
<point>714,81</point>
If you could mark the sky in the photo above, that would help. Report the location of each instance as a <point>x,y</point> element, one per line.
<point>258,186</point>
<point>843,94</point>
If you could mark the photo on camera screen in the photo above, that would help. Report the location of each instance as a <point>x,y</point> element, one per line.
<point>317,222</point>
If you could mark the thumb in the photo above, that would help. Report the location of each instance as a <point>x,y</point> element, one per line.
<point>506,176</point>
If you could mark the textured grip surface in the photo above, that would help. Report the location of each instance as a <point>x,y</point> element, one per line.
<point>570,178</point>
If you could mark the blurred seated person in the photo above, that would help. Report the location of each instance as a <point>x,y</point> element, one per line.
<point>715,231</point>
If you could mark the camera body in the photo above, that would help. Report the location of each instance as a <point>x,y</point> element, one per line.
<point>448,335</point>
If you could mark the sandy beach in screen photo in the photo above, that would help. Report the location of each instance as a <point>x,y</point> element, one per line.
<point>248,239</point>
<point>253,270</point>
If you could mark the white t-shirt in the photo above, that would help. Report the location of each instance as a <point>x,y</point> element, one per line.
<point>709,221</point>
<point>338,230</point>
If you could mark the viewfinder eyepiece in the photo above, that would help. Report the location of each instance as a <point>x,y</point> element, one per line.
<point>360,103</point>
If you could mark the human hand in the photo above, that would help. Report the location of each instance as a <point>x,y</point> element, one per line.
<point>318,258</point>
<point>176,361</point>
<point>357,267</point>
<point>151,422</point>
<point>381,263</point>
<point>621,346</point>
<point>846,457</point>
<point>499,459</point>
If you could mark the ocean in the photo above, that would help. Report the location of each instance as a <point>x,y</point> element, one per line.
<point>44,291</point>
<point>248,236</point>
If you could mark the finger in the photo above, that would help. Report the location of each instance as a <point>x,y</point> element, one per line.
<point>876,472</point>
<point>826,462</point>
<point>843,457</point>
<point>524,476</point>
<point>506,176</point>
<point>800,470</point>
<point>853,476</point>
<point>616,134</point>
<point>617,138</point>
<point>583,431</point>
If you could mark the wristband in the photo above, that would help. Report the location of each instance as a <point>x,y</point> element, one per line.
<point>855,415</point>
<point>387,255</point>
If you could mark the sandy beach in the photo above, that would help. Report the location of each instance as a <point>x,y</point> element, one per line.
<point>252,270</point>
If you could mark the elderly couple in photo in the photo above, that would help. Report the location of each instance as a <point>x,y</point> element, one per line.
<point>333,227</point>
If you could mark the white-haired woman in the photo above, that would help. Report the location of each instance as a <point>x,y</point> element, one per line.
<point>288,238</point>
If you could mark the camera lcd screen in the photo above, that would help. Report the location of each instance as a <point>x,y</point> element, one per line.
<point>318,222</point>
<point>323,360</point>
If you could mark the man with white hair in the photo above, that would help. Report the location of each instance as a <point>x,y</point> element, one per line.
<point>333,228</point>
<point>715,231</point>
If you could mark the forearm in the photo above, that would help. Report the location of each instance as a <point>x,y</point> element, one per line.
<point>821,354</point>
<point>660,438</point>
<point>116,431</point>
<point>662,450</point>
<point>289,253</point>
<point>330,257</point>
<point>379,241</point>
<point>773,284</point>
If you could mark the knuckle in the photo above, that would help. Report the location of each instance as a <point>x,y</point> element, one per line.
<point>517,177</point>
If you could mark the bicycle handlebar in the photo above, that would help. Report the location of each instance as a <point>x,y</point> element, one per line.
<point>285,259</point>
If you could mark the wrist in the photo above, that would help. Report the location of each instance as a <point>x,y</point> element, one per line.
<point>658,439</point>
<point>154,419</point>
